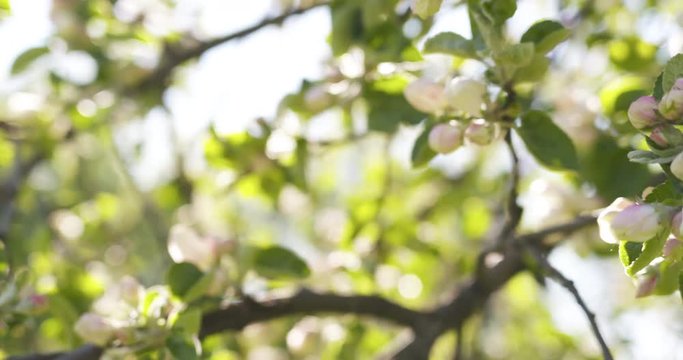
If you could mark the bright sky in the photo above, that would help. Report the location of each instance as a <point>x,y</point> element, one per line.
<point>240,81</point>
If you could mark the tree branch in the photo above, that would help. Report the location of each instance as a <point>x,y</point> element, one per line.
<point>237,316</point>
<point>513,212</point>
<point>427,326</point>
<point>556,275</point>
<point>9,190</point>
<point>171,58</point>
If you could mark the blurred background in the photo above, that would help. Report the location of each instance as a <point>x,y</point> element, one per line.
<point>272,138</point>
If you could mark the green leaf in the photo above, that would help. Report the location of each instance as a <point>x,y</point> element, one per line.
<point>279,263</point>
<point>386,111</point>
<point>672,71</point>
<point>500,10</point>
<point>181,347</point>
<point>534,71</point>
<point>422,153</point>
<point>629,252</point>
<point>189,321</point>
<point>665,193</point>
<point>347,26</point>
<point>199,288</point>
<point>5,6</point>
<point>512,58</point>
<point>426,8</point>
<point>182,277</point>
<point>547,142</point>
<point>658,90</point>
<point>451,43</point>
<point>667,282</point>
<point>651,249</point>
<point>516,55</point>
<point>680,284</point>
<point>25,59</point>
<point>546,34</point>
<point>608,180</point>
<point>648,157</point>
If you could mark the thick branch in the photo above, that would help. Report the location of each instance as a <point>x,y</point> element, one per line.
<point>427,326</point>
<point>172,58</point>
<point>239,315</point>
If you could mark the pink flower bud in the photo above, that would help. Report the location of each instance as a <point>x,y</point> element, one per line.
<point>677,224</point>
<point>642,113</point>
<point>658,138</point>
<point>426,95</point>
<point>666,136</point>
<point>677,166</point>
<point>607,215</point>
<point>466,95</point>
<point>671,105</point>
<point>480,132</point>
<point>39,303</point>
<point>445,138</point>
<point>94,328</point>
<point>671,247</point>
<point>646,285</point>
<point>637,223</point>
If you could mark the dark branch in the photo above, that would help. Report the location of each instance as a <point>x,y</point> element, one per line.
<point>513,212</point>
<point>556,275</point>
<point>426,326</point>
<point>172,57</point>
<point>237,316</point>
<point>9,189</point>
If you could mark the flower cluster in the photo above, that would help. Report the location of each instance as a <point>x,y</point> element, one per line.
<point>462,97</point>
<point>660,118</point>
<point>129,315</point>
<point>185,245</point>
<point>18,300</point>
<point>626,221</point>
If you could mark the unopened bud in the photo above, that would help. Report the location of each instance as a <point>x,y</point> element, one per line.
<point>677,224</point>
<point>426,95</point>
<point>480,132</point>
<point>607,215</point>
<point>666,135</point>
<point>671,105</point>
<point>637,223</point>
<point>642,112</point>
<point>445,138</point>
<point>646,285</point>
<point>677,166</point>
<point>94,328</point>
<point>672,247</point>
<point>466,95</point>
<point>39,303</point>
<point>626,221</point>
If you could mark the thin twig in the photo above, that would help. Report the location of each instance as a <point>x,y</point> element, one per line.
<point>172,58</point>
<point>513,212</point>
<point>556,275</point>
